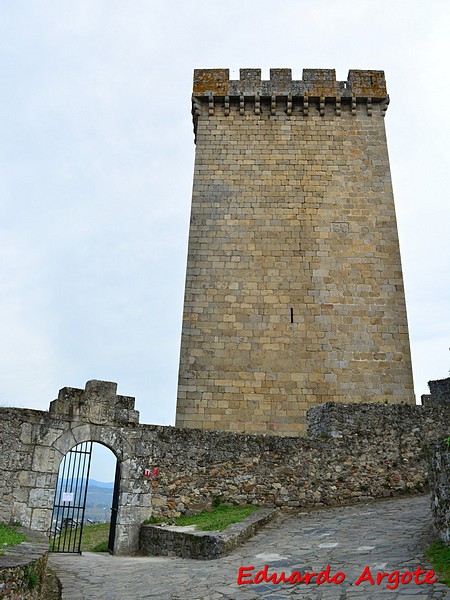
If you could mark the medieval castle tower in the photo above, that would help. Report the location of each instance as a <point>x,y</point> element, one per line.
<point>294,290</point>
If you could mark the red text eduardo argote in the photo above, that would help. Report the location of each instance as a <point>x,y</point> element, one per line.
<point>391,580</point>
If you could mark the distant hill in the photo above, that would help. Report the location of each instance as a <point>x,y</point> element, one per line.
<point>101,484</point>
<point>99,500</point>
<point>92,482</point>
<point>99,497</point>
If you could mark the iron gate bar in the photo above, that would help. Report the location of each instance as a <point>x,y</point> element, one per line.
<point>73,453</point>
<point>76,480</point>
<point>76,505</point>
<point>73,478</point>
<point>86,480</point>
<point>59,505</point>
<point>114,510</point>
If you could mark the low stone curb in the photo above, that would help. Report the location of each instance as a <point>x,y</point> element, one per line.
<point>202,545</point>
<point>23,567</point>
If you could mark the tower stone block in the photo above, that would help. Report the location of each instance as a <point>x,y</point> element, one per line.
<point>294,290</point>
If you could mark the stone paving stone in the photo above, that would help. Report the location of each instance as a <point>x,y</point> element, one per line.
<point>385,536</point>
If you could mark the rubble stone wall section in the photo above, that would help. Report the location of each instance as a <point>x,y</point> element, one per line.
<point>395,422</point>
<point>439,392</point>
<point>440,490</point>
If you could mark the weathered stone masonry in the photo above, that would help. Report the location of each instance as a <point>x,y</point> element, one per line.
<point>294,291</point>
<point>23,568</point>
<point>440,489</point>
<point>439,392</point>
<point>440,463</point>
<point>356,452</point>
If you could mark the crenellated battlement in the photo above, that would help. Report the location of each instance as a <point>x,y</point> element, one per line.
<point>316,83</point>
<point>316,93</point>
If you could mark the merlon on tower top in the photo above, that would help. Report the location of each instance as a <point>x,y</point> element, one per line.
<point>316,83</point>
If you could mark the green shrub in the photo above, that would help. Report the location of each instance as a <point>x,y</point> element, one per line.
<point>31,577</point>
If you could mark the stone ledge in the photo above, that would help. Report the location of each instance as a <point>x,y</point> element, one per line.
<point>202,545</point>
<point>23,567</point>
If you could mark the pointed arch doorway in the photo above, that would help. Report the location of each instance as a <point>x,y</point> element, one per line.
<point>71,509</point>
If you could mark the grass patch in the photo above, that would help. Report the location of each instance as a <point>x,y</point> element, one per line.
<point>9,537</point>
<point>439,556</point>
<point>213,520</point>
<point>94,537</point>
<point>101,547</point>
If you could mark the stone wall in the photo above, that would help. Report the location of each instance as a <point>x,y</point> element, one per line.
<point>203,545</point>
<point>384,455</point>
<point>23,568</point>
<point>294,292</point>
<point>439,392</point>
<point>440,490</point>
<point>355,452</point>
<point>400,424</point>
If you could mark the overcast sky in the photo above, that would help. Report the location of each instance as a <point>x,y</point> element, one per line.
<point>96,166</point>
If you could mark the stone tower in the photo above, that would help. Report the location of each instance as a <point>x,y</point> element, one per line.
<point>294,290</point>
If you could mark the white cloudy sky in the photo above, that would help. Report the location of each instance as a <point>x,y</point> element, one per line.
<point>97,153</point>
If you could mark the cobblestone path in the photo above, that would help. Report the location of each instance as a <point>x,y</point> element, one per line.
<point>384,536</point>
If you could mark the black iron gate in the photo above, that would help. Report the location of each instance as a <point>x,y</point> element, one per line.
<point>114,509</point>
<point>70,500</point>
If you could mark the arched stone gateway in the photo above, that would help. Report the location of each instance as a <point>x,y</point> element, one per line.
<point>95,414</point>
<point>352,453</point>
<point>98,414</point>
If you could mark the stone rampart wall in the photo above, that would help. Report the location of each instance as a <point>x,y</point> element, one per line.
<point>354,452</point>
<point>440,390</point>
<point>440,490</point>
<point>377,451</point>
<point>395,422</point>
<point>439,393</point>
